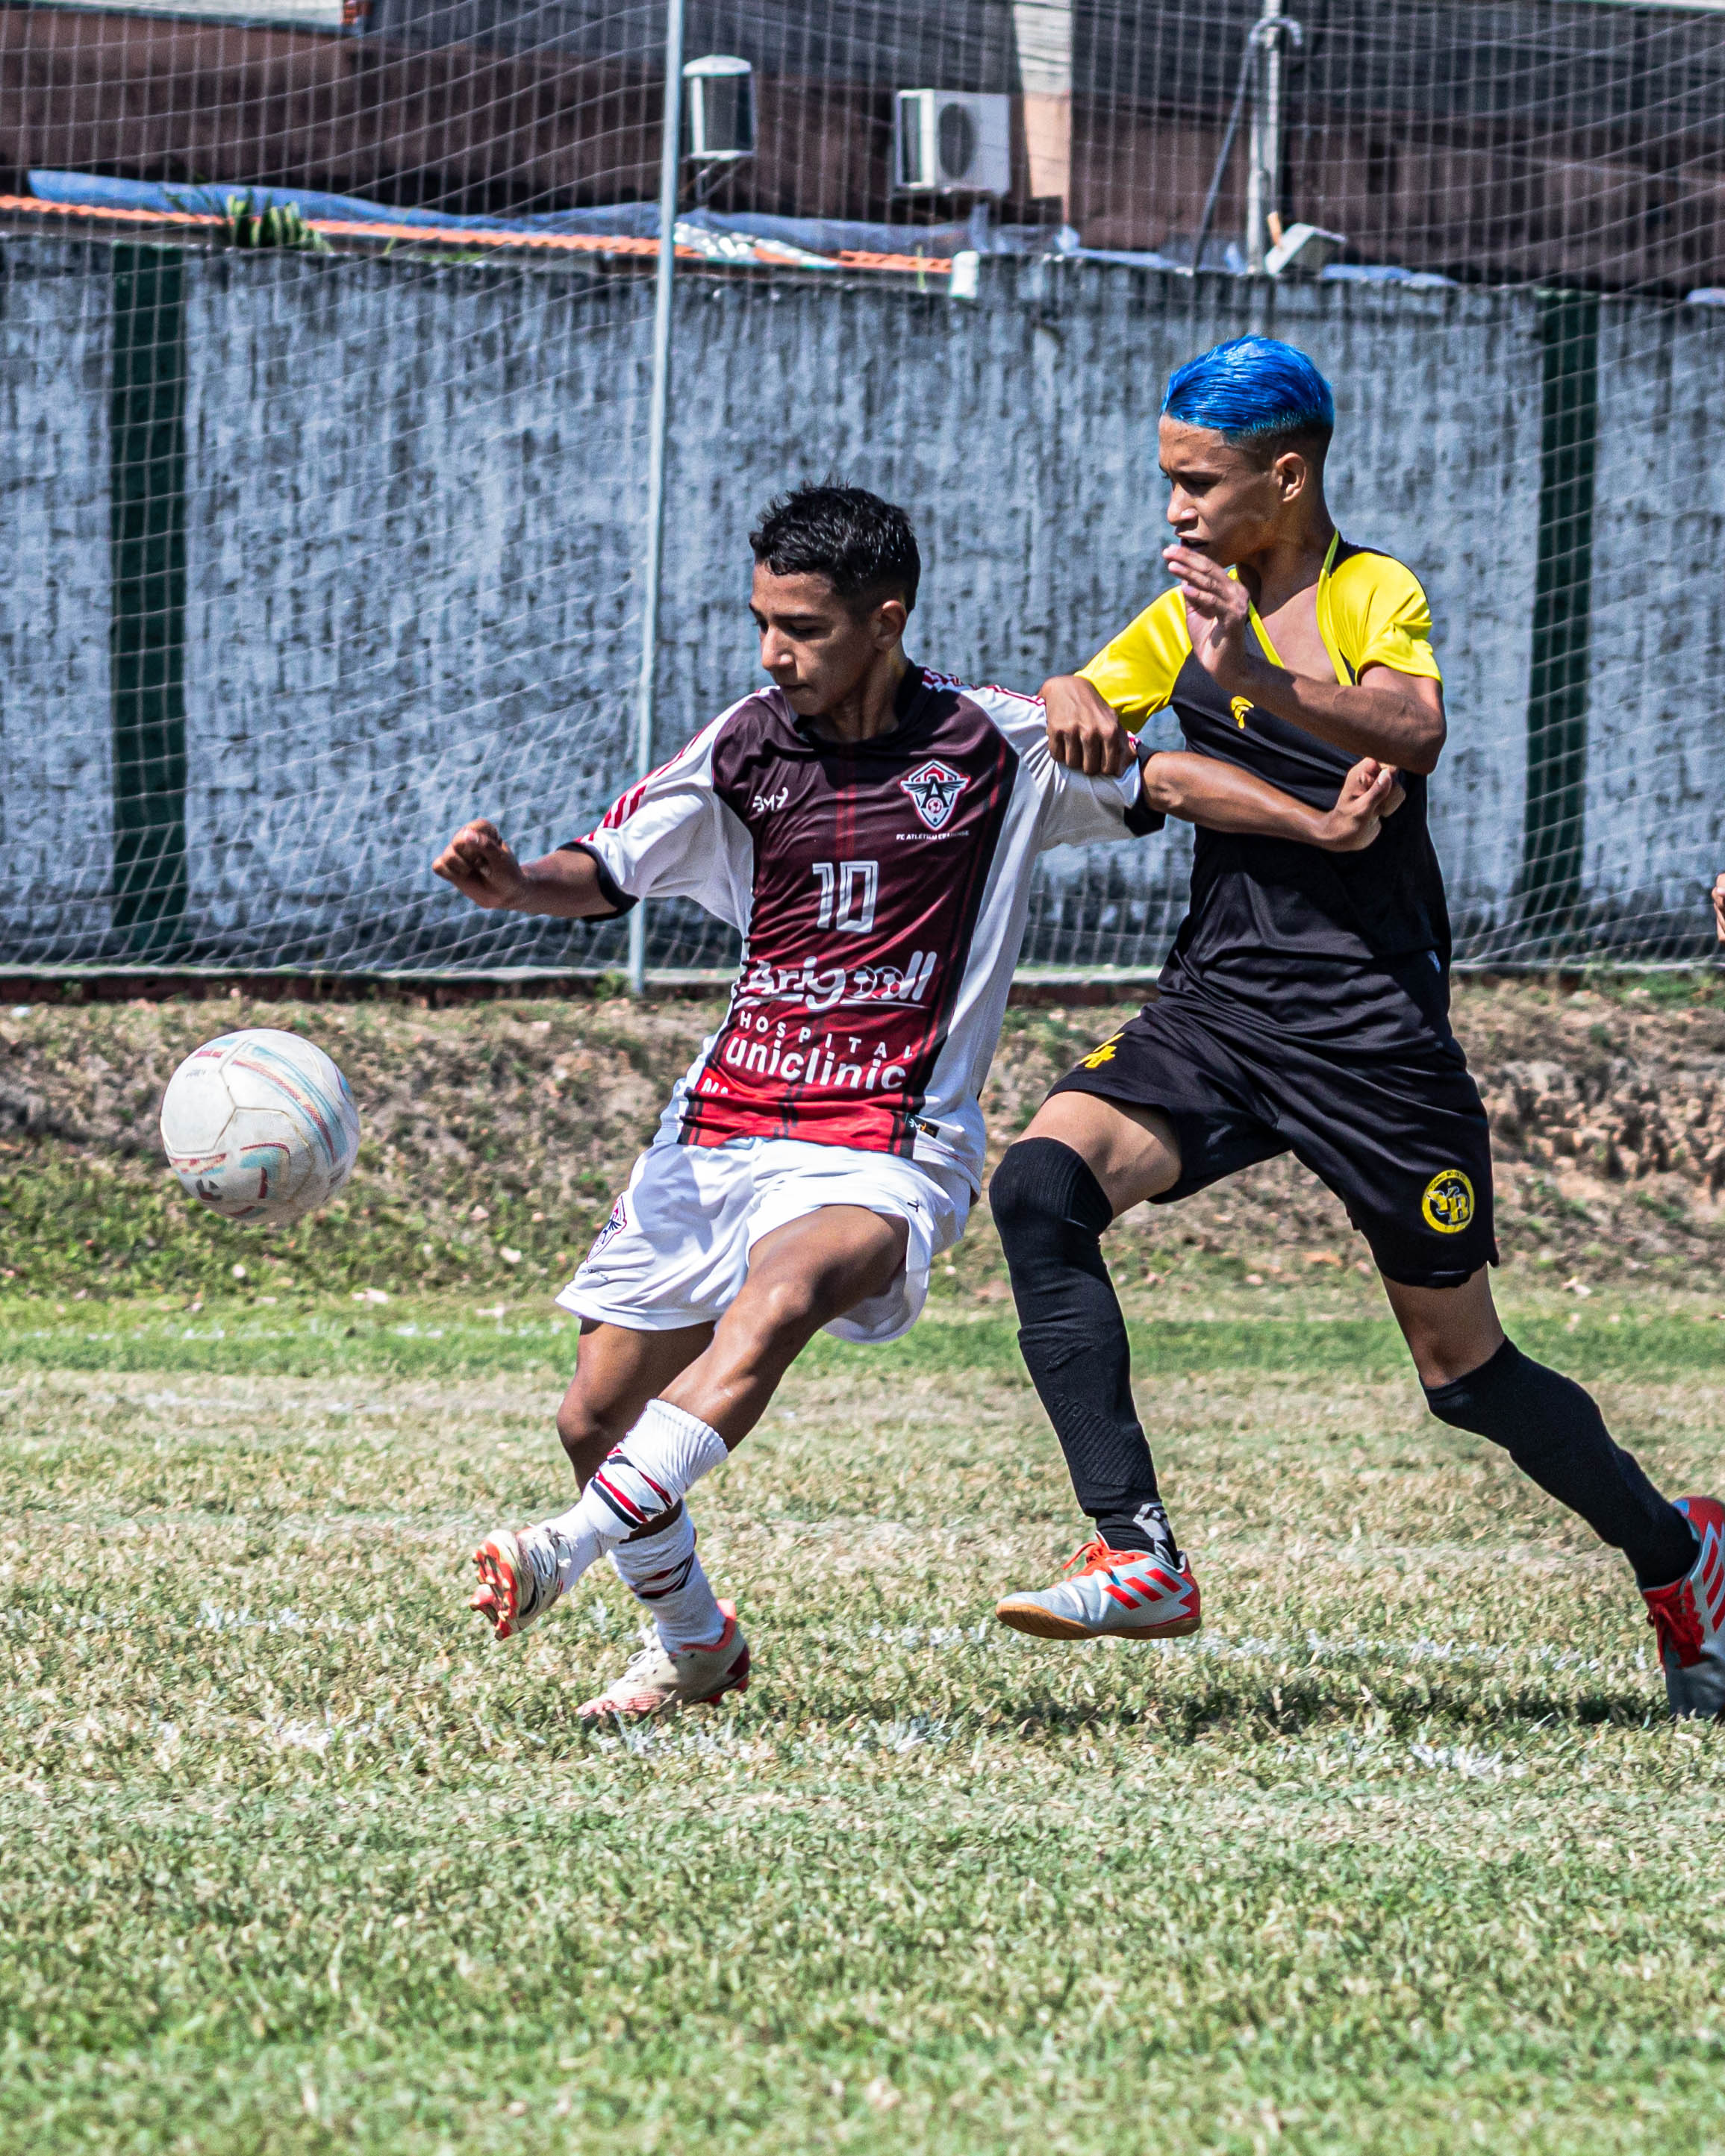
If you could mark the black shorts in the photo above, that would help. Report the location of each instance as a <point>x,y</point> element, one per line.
<point>1401,1138</point>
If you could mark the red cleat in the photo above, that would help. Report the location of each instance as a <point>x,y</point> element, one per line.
<point>1688,1618</point>
<point>1112,1594</point>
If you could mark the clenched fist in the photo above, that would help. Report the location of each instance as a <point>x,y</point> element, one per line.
<point>482,868</point>
<point>1370,791</point>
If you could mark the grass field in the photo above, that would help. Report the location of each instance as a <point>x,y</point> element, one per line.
<point>1398,1855</point>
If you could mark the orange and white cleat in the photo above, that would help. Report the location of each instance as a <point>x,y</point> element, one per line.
<point>1688,1618</point>
<point>519,1578</point>
<point>661,1680</point>
<point>1112,1594</point>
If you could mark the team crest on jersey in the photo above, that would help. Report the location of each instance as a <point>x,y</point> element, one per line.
<point>933,788</point>
<point>1242,707</point>
<point>612,1228</point>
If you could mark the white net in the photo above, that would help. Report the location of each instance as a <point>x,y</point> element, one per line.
<point>327,353</point>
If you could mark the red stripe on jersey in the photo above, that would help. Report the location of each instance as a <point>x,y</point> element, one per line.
<point>626,803</point>
<point>622,809</point>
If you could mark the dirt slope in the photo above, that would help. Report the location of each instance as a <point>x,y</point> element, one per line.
<point>495,1136</point>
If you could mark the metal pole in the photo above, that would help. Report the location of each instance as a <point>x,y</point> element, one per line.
<point>658,425</point>
<point>1248,60</point>
<point>1265,162</point>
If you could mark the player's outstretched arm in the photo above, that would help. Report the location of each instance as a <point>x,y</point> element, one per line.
<point>1399,717</point>
<point>1719,905</point>
<point>565,884</point>
<point>1202,789</point>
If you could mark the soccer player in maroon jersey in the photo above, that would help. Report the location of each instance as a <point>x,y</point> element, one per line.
<point>869,827</point>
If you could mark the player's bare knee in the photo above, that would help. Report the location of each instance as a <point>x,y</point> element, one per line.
<point>583,1436</point>
<point>1436,1366</point>
<point>1450,1331</point>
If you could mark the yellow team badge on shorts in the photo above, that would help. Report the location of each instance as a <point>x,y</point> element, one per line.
<point>1448,1203</point>
<point>1098,1056</point>
<point>1241,708</point>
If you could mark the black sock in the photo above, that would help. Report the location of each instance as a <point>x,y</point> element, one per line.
<point>1555,1434</point>
<point>1050,1211</point>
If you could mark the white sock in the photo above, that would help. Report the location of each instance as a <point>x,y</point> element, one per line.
<point>664,1456</point>
<point>663,1571</point>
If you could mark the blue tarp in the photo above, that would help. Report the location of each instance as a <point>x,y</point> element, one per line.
<point>625,220</point>
<point>824,236</point>
<point>828,236</point>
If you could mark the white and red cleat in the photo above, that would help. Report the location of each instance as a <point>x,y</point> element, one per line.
<point>1112,1594</point>
<point>661,1680</point>
<point>519,1580</point>
<point>1688,1617</point>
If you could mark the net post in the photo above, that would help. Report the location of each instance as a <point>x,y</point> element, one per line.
<point>1264,163</point>
<point>1559,677</point>
<point>147,600</point>
<point>658,426</point>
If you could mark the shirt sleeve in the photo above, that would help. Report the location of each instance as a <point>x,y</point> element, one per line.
<point>671,836</point>
<point>1076,811</point>
<point>1136,673</point>
<point>1084,811</point>
<point>1380,616</point>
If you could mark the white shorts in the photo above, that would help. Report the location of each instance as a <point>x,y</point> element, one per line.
<point>676,1250</point>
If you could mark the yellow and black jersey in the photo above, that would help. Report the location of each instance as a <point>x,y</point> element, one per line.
<point>1255,899</point>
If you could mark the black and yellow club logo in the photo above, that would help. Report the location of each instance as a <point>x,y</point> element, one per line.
<point>1242,707</point>
<point>1098,1056</point>
<point>1448,1203</point>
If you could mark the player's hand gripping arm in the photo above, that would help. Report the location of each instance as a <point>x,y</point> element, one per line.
<point>1397,717</point>
<point>565,884</point>
<point>1084,731</point>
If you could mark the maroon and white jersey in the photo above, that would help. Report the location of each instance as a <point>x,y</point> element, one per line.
<point>880,888</point>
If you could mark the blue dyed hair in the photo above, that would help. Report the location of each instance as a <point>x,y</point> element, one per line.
<point>1257,392</point>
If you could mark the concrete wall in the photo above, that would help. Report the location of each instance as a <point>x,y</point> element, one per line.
<point>414,507</point>
<point>1023,433</point>
<point>55,734</point>
<point>413,528</point>
<point>1656,774</point>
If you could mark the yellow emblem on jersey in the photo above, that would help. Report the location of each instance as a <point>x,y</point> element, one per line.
<point>1240,707</point>
<point>1098,1056</point>
<point>1448,1203</point>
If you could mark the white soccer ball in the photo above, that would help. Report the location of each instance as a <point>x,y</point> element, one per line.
<point>259,1126</point>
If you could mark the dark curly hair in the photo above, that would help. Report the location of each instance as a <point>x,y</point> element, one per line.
<point>864,546</point>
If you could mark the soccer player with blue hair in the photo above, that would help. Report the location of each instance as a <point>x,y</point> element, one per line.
<point>1304,1009</point>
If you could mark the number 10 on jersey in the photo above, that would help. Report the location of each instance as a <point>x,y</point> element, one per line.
<point>848,893</point>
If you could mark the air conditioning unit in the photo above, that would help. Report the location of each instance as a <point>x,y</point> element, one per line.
<point>720,109</point>
<point>950,141</point>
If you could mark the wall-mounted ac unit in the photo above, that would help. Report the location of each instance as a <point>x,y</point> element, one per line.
<point>950,141</point>
<point>719,109</point>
